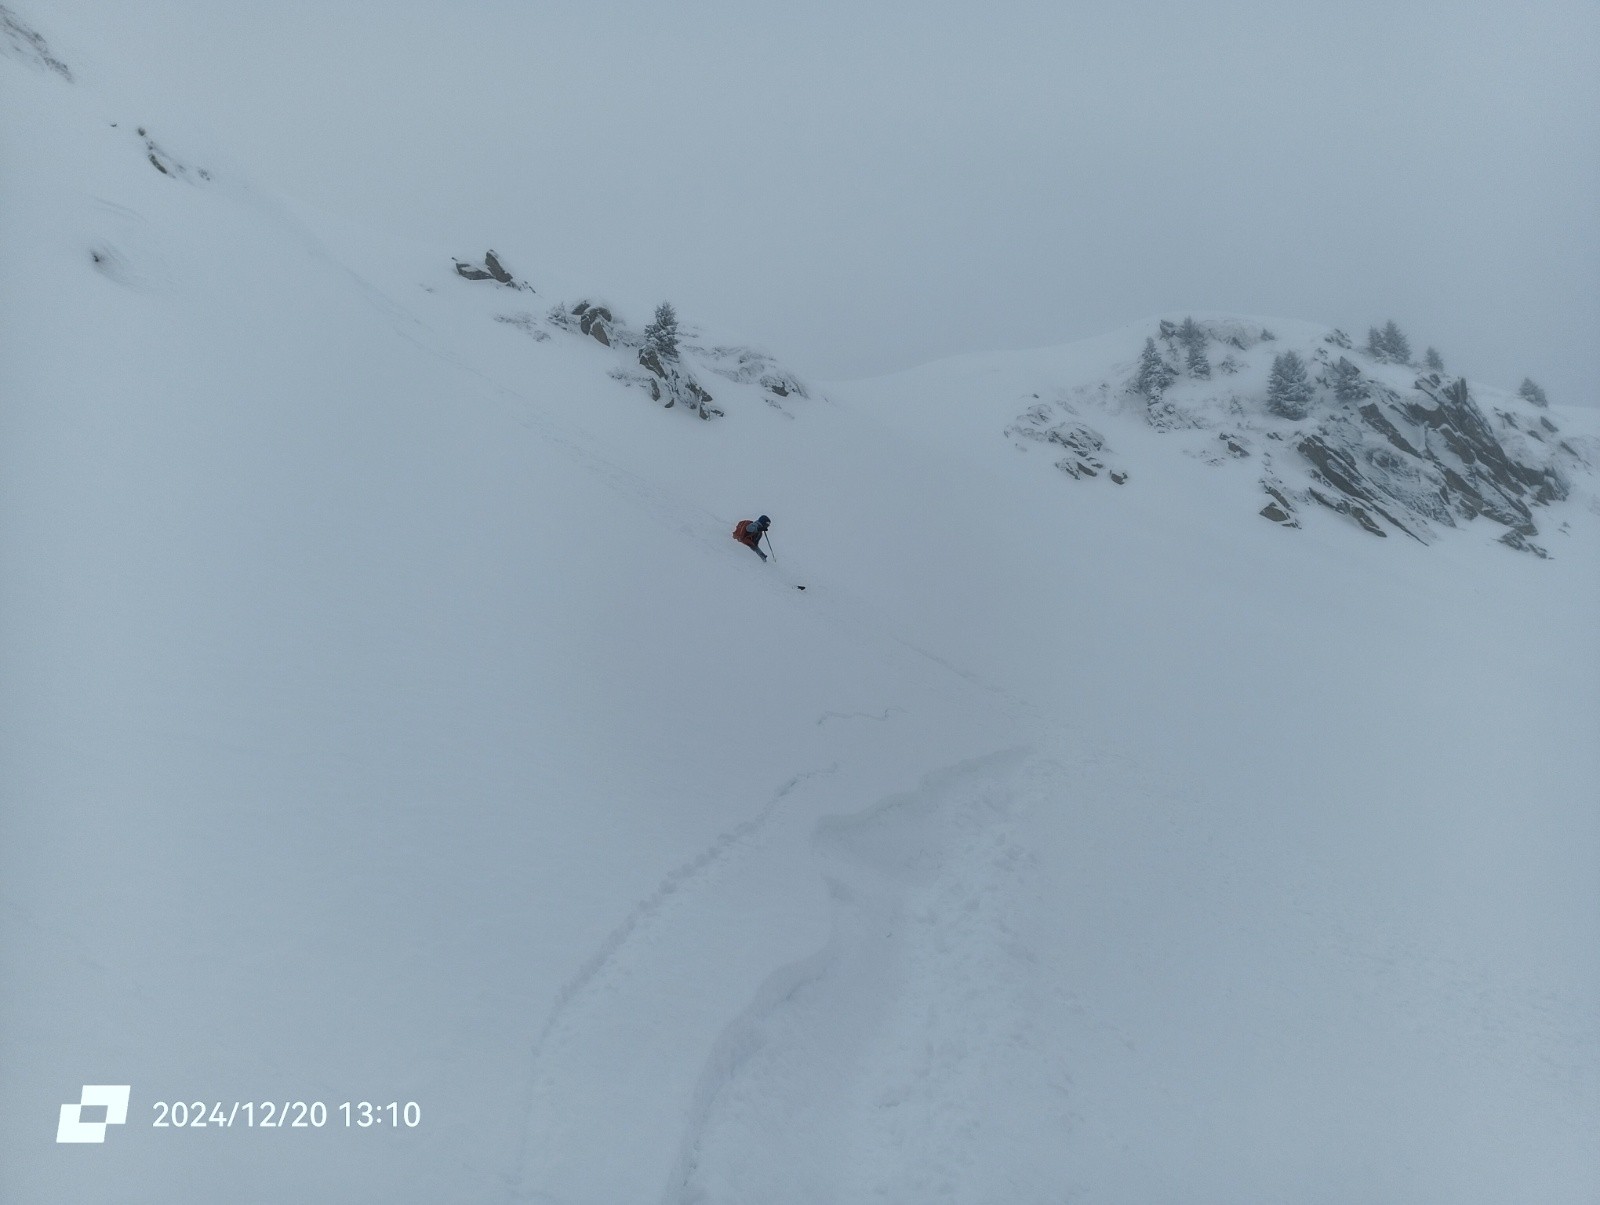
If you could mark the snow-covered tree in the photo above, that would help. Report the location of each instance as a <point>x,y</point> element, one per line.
<point>1347,383</point>
<point>1288,388</point>
<point>1397,345</point>
<point>1154,373</point>
<point>1388,344</point>
<point>661,336</point>
<point>1433,360</point>
<point>1198,365</point>
<point>1190,334</point>
<point>1532,392</point>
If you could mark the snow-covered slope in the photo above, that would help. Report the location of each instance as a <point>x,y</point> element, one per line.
<point>389,717</point>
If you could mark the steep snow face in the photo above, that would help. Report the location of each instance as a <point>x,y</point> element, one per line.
<point>388,716</point>
<point>1393,448</point>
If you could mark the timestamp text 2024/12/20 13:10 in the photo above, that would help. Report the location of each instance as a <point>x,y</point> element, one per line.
<point>293,1115</point>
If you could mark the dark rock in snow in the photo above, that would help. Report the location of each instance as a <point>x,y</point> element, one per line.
<point>492,270</point>
<point>1376,420</point>
<point>747,365</point>
<point>492,263</point>
<point>1083,444</point>
<point>1338,468</point>
<point>1280,509</point>
<point>20,41</point>
<point>667,378</point>
<point>1520,541</point>
<point>167,163</point>
<point>595,321</point>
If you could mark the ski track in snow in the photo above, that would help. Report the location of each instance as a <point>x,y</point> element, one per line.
<point>869,1070</point>
<point>964,890</point>
<point>674,881</point>
<point>644,913</point>
<point>858,715</point>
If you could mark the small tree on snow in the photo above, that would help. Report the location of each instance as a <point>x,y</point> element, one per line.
<point>1433,360</point>
<point>1198,365</point>
<point>1531,392</point>
<point>1154,374</point>
<point>1375,345</point>
<point>1190,334</point>
<point>661,336</point>
<point>1397,345</point>
<point>1289,389</point>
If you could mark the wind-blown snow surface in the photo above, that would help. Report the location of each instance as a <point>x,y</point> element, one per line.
<point>389,717</point>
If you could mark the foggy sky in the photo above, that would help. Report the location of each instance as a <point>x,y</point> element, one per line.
<point>862,187</point>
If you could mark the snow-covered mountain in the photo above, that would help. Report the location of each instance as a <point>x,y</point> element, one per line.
<point>388,717</point>
<point>1392,447</point>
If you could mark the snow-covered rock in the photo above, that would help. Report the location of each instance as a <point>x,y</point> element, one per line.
<point>19,40</point>
<point>1393,449</point>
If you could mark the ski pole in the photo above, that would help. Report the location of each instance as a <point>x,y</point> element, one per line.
<point>770,548</point>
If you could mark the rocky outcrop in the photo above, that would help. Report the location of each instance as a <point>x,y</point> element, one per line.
<point>1484,460</point>
<point>1280,510</point>
<point>21,41</point>
<point>169,164</point>
<point>1520,541</point>
<point>671,384</point>
<point>666,378</point>
<point>1357,496</point>
<point>1392,451</point>
<point>748,366</point>
<point>1058,427</point>
<point>492,270</point>
<point>595,321</point>
<point>492,263</point>
<point>1433,455</point>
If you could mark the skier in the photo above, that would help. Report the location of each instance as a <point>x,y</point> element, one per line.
<point>749,533</point>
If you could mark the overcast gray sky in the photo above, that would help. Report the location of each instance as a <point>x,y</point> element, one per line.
<point>863,187</point>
